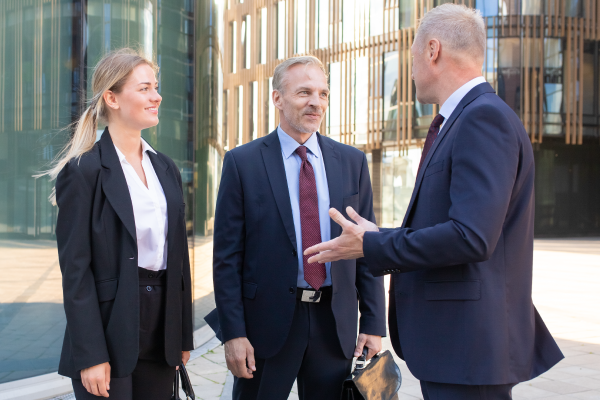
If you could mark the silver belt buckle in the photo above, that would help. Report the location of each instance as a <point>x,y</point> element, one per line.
<point>311,296</point>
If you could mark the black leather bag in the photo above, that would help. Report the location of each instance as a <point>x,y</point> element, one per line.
<point>186,384</point>
<point>377,379</point>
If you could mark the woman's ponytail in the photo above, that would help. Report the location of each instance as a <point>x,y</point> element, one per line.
<point>110,73</point>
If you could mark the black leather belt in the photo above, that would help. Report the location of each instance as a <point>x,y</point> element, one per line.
<point>314,296</point>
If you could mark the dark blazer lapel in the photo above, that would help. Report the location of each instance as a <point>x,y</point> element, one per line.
<point>333,169</point>
<point>273,160</point>
<point>114,184</point>
<point>469,97</point>
<point>172,194</point>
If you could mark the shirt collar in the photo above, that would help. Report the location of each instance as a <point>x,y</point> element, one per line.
<point>145,147</point>
<point>289,145</point>
<point>449,105</point>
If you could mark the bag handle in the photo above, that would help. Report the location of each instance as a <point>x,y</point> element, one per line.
<point>361,362</point>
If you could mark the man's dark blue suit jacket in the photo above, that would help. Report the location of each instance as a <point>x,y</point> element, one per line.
<point>255,265</point>
<point>460,298</point>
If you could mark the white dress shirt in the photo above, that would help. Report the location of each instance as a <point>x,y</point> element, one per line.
<point>450,104</point>
<point>292,163</point>
<point>150,212</point>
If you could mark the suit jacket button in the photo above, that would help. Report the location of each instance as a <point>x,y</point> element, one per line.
<point>294,253</point>
<point>149,288</point>
<point>292,290</point>
<point>150,275</point>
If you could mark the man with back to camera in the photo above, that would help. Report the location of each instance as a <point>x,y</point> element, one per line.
<point>460,313</point>
<point>280,317</point>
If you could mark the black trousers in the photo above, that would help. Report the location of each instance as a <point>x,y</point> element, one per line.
<point>448,391</point>
<point>152,378</point>
<point>311,353</point>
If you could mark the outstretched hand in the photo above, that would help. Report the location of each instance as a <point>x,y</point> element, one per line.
<point>349,245</point>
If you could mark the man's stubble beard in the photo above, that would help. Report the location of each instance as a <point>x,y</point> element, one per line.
<point>296,124</point>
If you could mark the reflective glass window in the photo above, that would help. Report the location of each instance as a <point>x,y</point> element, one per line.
<point>488,8</point>
<point>509,72</point>
<point>553,86</point>
<point>390,95</point>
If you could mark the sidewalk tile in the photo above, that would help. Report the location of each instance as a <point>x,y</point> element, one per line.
<point>559,387</point>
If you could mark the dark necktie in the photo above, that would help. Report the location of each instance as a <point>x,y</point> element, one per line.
<point>434,129</point>
<point>314,274</point>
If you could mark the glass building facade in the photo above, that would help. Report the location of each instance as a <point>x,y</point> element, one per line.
<point>216,61</point>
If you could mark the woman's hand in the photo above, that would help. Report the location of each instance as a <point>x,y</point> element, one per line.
<point>185,356</point>
<point>96,379</point>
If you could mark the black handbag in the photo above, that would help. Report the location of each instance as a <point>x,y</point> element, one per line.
<point>377,379</point>
<point>186,385</point>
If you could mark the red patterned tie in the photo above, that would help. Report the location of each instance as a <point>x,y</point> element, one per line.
<point>434,129</point>
<point>314,274</point>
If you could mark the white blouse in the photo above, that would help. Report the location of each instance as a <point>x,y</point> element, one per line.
<point>150,212</point>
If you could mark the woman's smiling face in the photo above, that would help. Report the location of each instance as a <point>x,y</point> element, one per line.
<point>138,101</point>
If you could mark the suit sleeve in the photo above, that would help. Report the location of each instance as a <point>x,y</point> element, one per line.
<point>187,328</point>
<point>228,252</point>
<point>485,157</point>
<point>73,235</point>
<point>370,289</point>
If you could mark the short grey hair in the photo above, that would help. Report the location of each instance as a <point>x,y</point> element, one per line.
<point>281,69</point>
<point>461,29</point>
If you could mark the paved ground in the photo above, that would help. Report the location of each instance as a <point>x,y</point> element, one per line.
<point>32,317</point>
<point>566,293</point>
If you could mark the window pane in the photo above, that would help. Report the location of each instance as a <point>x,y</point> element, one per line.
<point>301,25</point>
<point>509,72</point>
<point>232,45</point>
<point>553,86</point>
<point>407,13</point>
<point>488,8</point>
<point>335,100</point>
<point>322,24</point>
<point>390,95</point>
<point>361,96</point>
<point>376,18</point>
<point>263,35</point>
<point>281,30</point>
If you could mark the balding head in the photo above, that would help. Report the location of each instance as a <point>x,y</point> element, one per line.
<point>448,51</point>
<point>460,30</point>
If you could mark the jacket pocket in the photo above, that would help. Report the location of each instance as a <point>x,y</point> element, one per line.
<point>249,290</point>
<point>434,168</point>
<point>107,289</point>
<point>453,290</point>
<point>351,201</point>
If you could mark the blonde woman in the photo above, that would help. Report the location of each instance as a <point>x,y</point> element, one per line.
<point>122,243</point>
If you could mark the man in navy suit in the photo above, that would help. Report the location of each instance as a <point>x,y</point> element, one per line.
<point>460,313</point>
<point>280,317</point>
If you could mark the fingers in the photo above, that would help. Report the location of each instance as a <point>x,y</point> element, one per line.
<point>360,345</point>
<point>250,359</point>
<point>371,353</point>
<point>102,390</point>
<point>241,371</point>
<point>354,215</point>
<point>339,218</point>
<point>321,251</point>
<point>107,376</point>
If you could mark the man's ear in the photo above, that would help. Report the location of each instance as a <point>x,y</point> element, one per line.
<point>434,48</point>
<point>276,95</point>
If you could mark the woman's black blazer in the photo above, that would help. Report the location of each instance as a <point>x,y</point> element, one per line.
<point>97,250</point>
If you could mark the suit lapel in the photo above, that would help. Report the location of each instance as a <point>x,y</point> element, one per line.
<point>333,169</point>
<point>472,95</point>
<point>172,195</point>
<point>114,184</point>
<point>273,160</point>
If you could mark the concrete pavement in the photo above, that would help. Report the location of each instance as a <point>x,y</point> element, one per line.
<point>566,292</point>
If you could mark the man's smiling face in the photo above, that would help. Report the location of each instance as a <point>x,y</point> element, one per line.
<point>305,97</point>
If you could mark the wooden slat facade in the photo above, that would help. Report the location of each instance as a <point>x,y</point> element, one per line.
<point>345,47</point>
